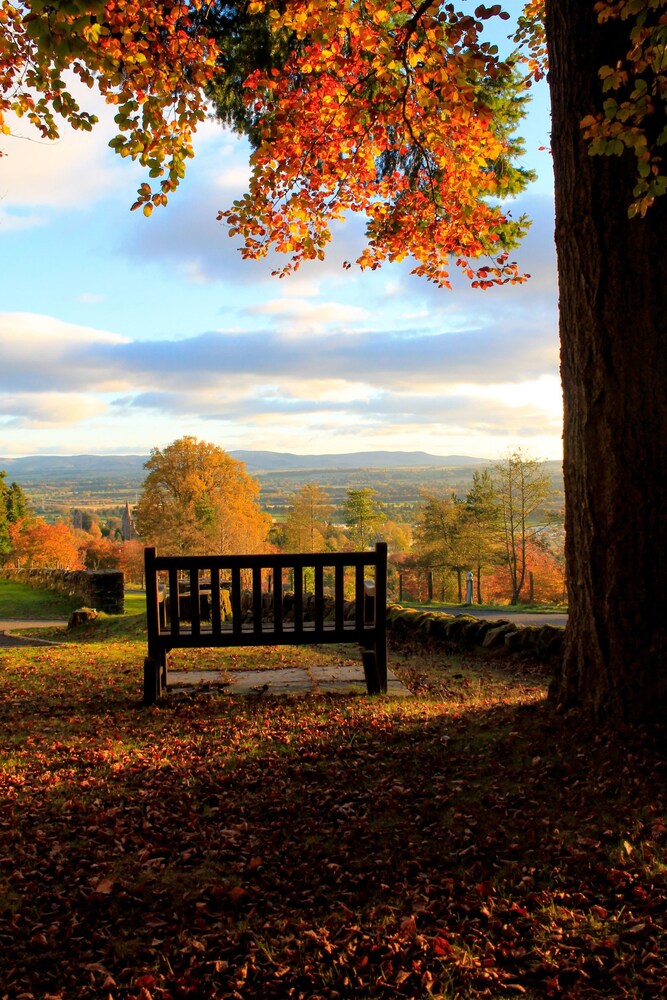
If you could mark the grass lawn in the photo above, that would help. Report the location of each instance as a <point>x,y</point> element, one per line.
<point>479,609</point>
<point>135,601</point>
<point>466,842</point>
<point>18,600</point>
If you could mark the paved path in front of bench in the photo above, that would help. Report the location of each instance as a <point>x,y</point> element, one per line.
<point>340,679</point>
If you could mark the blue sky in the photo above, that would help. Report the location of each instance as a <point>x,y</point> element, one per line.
<point>120,333</point>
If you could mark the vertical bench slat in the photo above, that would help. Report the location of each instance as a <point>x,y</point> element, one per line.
<point>237,624</point>
<point>162,598</point>
<point>319,599</point>
<point>174,601</point>
<point>195,602</point>
<point>152,597</point>
<point>339,597</point>
<point>359,573</point>
<point>298,600</point>
<point>278,598</point>
<point>257,600</point>
<point>215,600</point>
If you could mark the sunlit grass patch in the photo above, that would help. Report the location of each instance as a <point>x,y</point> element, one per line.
<point>135,601</point>
<point>18,600</point>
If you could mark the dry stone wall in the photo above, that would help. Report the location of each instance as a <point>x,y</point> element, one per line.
<point>463,633</point>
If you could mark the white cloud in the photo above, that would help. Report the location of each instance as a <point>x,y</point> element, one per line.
<point>48,409</point>
<point>295,317</point>
<point>26,332</point>
<point>69,173</point>
<point>43,354</point>
<point>15,220</point>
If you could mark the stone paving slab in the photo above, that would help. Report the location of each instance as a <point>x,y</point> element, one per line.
<point>351,676</point>
<point>345,679</point>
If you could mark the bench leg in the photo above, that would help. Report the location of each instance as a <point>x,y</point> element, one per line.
<point>152,688</point>
<point>164,662</point>
<point>381,661</point>
<point>371,674</point>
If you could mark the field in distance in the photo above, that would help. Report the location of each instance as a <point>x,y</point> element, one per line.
<point>57,484</point>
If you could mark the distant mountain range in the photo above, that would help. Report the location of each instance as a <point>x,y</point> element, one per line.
<point>278,461</point>
<point>255,461</point>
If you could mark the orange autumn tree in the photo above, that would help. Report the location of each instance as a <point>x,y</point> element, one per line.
<point>545,568</point>
<point>35,543</point>
<point>396,110</point>
<point>150,59</point>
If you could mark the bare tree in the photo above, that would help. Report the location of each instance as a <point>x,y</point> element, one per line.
<point>522,487</point>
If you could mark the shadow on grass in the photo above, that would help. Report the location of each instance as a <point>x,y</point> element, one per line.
<point>320,847</point>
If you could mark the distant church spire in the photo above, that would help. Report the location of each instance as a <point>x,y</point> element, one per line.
<point>127,524</point>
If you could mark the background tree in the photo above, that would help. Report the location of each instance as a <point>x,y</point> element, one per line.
<point>101,553</point>
<point>442,538</point>
<point>397,535</point>
<point>196,498</point>
<point>545,570</point>
<point>482,517</point>
<point>14,506</point>
<point>35,544</point>
<point>522,487</point>
<point>363,516</point>
<point>132,561</point>
<point>308,519</point>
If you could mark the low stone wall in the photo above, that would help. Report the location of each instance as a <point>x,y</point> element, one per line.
<point>463,633</point>
<point>102,589</point>
<point>328,605</point>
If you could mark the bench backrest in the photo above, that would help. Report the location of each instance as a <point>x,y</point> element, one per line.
<point>240,582</point>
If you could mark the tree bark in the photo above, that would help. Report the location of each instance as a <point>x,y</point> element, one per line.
<point>613,320</point>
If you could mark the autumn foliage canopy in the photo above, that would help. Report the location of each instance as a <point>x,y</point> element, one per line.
<point>398,109</point>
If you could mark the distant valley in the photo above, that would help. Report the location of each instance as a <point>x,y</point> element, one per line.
<point>59,483</point>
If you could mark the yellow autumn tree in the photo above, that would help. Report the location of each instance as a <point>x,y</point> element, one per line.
<point>198,499</point>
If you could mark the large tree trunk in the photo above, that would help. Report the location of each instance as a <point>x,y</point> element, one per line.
<point>613,322</point>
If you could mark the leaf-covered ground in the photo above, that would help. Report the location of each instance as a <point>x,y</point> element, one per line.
<point>466,842</point>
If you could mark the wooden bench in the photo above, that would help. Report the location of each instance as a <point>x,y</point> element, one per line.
<point>241,601</point>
